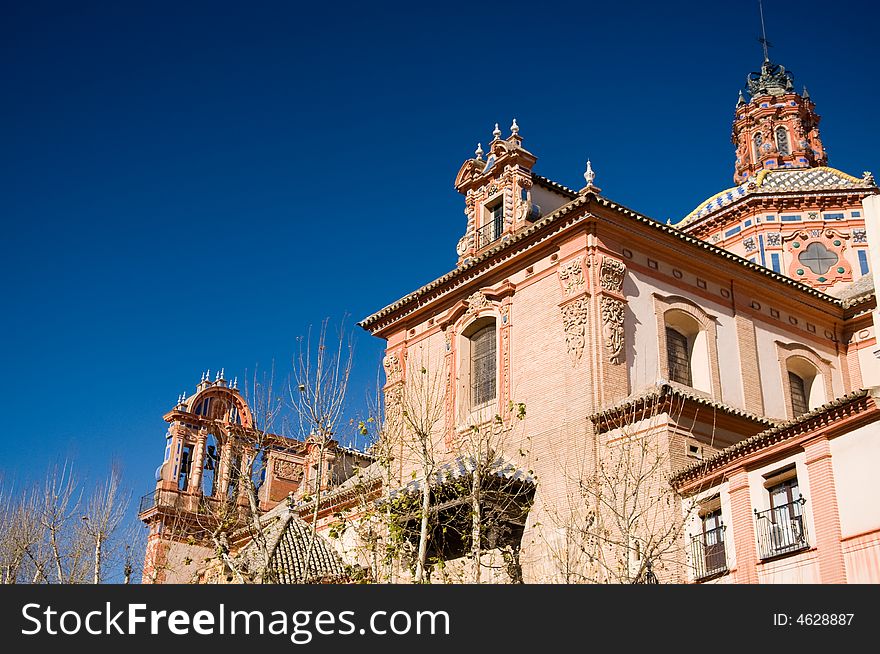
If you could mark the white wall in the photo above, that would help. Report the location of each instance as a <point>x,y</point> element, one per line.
<point>854,458</point>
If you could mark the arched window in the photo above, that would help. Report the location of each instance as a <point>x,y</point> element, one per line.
<point>806,385</point>
<point>211,465</point>
<point>759,140</point>
<point>483,364</point>
<point>782,141</point>
<point>798,387</point>
<point>688,348</point>
<point>678,356</point>
<point>687,351</point>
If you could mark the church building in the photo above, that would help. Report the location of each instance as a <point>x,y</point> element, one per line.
<point>689,402</point>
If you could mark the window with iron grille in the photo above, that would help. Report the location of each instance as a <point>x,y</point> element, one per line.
<point>677,357</point>
<point>798,386</point>
<point>483,365</point>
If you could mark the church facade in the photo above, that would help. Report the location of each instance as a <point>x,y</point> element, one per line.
<point>688,402</point>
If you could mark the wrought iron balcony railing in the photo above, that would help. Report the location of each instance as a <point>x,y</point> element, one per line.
<point>709,553</point>
<point>782,529</point>
<point>489,233</point>
<point>148,501</point>
<point>186,502</point>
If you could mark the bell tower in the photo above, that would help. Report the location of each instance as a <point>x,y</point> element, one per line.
<point>777,127</point>
<point>497,193</point>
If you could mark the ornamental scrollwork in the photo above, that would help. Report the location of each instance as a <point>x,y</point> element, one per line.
<point>574,323</point>
<point>611,274</point>
<point>612,327</point>
<point>571,276</point>
<point>393,368</point>
<point>289,470</point>
<point>476,301</point>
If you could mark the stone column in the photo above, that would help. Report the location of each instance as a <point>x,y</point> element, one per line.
<point>225,463</point>
<point>197,464</point>
<point>743,527</point>
<point>826,517</point>
<point>247,458</point>
<point>172,470</point>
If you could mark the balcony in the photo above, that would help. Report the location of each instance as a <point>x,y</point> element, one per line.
<point>174,500</point>
<point>709,554</point>
<point>148,501</point>
<point>489,233</point>
<point>782,530</point>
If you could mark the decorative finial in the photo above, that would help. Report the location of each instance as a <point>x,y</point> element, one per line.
<point>183,396</point>
<point>806,93</point>
<point>589,175</point>
<point>741,100</point>
<point>496,132</point>
<point>235,383</point>
<point>222,375</point>
<point>479,151</point>
<point>514,128</point>
<point>763,40</point>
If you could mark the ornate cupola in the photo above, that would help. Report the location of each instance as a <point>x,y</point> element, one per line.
<point>777,127</point>
<point>497,193</point>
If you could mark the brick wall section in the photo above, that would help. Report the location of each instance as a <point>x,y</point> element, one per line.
<point>743,518</point>
<point>748,355</point>
<point>826,516</point>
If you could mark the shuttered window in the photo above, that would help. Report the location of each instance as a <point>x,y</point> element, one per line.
<point>677,353</point>
<point>798,388</point>
<point>483,366</point>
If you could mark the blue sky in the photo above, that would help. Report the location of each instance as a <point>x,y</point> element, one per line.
<point>191,185</point>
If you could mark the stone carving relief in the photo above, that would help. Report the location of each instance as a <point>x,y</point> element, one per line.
<point>612,327</point>
<point>289,470</point>
<point>393,368</point>
<point>393,408</point>
<point>571,276</point>
<point>574,323</point>
<point>611,274</point>
<point>476,301</point>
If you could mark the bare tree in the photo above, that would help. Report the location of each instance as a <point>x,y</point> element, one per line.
<point>104,513</point>
<point>421,406</point>
<point>621,519</point>
<point>60,503</point>
<point>492,449</point>
<point>321,372</point>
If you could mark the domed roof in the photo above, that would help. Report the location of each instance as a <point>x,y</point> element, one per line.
<point>779,180</point>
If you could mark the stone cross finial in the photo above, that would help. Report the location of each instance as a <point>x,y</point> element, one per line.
<point>496,132</point>
<point>514,128</point>
<point>479,151</point>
